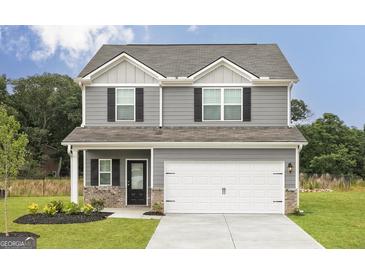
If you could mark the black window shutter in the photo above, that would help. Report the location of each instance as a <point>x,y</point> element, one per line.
<point>197,104</point>
<point>139,105</point>
<point>94,178</point>
<point>246,96</point>
<point>116,172</point>
<point>111,104</point>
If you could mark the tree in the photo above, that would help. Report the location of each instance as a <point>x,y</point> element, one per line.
<point>48,107</point>
<point>333,147</point>
<point>299,110</point>
<point>12,152</point>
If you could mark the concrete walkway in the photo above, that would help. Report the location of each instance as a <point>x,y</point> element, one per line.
<point>130,213</point>
<point>262,231</point>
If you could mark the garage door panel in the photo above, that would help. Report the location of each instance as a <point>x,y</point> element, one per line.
<point>198,187</point>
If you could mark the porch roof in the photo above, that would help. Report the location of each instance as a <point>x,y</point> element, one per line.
<point>183,134</point>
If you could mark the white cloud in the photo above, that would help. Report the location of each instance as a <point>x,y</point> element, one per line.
<point>192,28</point>
<point>146,36</point>
<point>14,44</point>
<point>76,43</point>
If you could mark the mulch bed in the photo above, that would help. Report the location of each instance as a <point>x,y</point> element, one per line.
<point>61,218</point>
<point>21,234</point>
<point>153,213</point>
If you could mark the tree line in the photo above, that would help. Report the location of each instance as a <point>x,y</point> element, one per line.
<point>48,107</point>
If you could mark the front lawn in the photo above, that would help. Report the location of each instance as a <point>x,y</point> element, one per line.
<point>335,219</point>
<point>108,233</point>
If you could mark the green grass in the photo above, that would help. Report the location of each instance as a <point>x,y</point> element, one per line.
<point>335,219</point>
<point>108,233</point>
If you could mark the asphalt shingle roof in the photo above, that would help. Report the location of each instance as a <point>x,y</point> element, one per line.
<point>184,134</point>
<point>262,60</point>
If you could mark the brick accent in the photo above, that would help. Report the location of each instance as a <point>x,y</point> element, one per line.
<point>291,200</point>
<point>113,196</point>
<point>156,195</point>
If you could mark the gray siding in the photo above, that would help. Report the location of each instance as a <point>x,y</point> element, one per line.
<point>269,108</point>
<point>117,154</point>
<point>124,72</point>
<point>96,108</point>
<point>222,74</point>
<point>161,155</point>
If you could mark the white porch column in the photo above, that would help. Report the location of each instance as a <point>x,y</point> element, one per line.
<point>74,165</point>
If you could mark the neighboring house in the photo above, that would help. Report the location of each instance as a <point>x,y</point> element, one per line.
<point>202,128</point>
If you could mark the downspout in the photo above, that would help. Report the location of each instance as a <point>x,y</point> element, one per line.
<point>160,123</point>
<point>289,104</point>
<point>83,107</point>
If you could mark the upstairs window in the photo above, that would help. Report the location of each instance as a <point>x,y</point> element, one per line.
<point>222,104</point>
<point>125,104</point>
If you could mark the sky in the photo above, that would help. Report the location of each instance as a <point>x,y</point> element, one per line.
<point>329,60</point>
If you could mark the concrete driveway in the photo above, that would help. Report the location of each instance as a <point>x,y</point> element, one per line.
<point>230,231</point>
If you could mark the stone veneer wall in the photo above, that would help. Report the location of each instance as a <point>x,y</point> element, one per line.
<point>113,196</point>
<point>157,195</point>
<point>291,200</point>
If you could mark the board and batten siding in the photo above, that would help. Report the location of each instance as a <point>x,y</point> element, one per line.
<point>268,108</point>
<point>96,108</point>
<point>222,74</point>
<point>124,72</point>
<point>122,155</point>
<point>161,155</point>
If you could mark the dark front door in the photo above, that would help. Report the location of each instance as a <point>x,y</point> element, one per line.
<point>136,182</point>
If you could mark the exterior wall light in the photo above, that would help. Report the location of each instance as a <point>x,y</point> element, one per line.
<point>290,167</point>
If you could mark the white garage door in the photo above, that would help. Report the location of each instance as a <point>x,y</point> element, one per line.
<point>224,187</point>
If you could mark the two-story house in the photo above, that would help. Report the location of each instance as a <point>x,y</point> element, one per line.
<point>203,128</point>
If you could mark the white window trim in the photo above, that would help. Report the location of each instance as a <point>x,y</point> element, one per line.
<point>222,104</point>
<point>109,172</point>
<point>116,104</point>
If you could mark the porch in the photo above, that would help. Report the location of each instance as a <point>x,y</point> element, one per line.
<point>120,177</point>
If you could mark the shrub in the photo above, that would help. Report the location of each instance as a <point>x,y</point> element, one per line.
<point>33,208</point>
<point>97,204</point>
<point>72,208</point>
<point>298,212</point>
<point>50,210</point>
<point>58,205</point>
<point>87,209</point>
<point>157,207</point>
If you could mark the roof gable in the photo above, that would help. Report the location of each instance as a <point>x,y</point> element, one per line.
<point>262,60</point>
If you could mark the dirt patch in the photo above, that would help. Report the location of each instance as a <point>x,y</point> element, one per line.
<point>153,213</point>
<point>61,218</point>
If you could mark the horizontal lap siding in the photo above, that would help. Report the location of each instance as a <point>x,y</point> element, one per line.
<point>116,154</point>
<point>269,108</point>
<point>96,108</point>
<point>161,155</point>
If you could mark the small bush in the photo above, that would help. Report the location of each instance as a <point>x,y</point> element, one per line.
<point>87,209</point>
<point>58,205</point>
<point>97,204</point>
<point>72,208</point>
<point>157,207</point>
<point>33,208</point>
<point>50,210</point>
<point>298,212</point>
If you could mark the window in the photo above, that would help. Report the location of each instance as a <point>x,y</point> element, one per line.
<point>105,172</point>
<point>125,104</point>
<point>222,104</point>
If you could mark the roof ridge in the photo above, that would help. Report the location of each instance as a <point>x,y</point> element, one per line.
<point>197,44</point>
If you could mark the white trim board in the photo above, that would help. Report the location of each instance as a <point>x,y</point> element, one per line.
<point>115,61</point>
<point>228,64</point>
<point>149,145</point>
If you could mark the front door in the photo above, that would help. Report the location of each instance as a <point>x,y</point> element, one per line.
<point>136,182</point>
